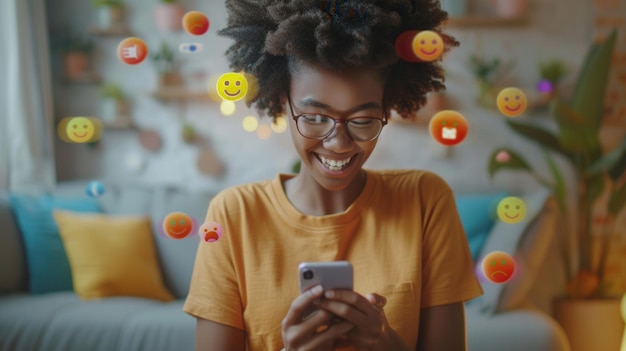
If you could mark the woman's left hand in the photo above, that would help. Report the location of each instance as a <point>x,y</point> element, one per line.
<point>365,313</point>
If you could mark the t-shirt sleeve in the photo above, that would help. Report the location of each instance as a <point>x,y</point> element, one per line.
<point>447,267</point>
<point>214,292</point>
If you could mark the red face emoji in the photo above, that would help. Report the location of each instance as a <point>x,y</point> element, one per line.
<point>195,23</point>
<point>210,232</point>
<point>177,225</point>
<point>448,127</point>
<point>498,267</point>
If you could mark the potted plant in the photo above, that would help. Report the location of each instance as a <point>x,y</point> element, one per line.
<point>510,8</point>
<point>487,73</point>
<point>163,60</point>
<point>110,12</point>
<point>114,105</point>
<point>577,141</point>
<point>551,73</point>
<point>168,15</point>
<point>76,50</point>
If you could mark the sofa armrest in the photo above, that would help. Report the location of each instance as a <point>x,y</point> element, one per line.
<point>13,274</point>
<point>519,330</point>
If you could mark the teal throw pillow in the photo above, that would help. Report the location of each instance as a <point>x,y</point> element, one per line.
<point>478,215</point>
<point>48,266</point>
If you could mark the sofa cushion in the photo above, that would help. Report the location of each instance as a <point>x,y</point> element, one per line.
<point>478,215</point>
<point>48,267</point>
<point>111,255</point>
<point>61,321</point>
<point>510,238</point>
<point>178,256</point>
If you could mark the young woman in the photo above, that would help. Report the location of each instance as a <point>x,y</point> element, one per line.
<point>331,68</point>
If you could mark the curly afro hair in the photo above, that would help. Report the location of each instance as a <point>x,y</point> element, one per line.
<point>272,36</point>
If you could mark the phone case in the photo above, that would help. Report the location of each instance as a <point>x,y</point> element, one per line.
<point>331,275</point>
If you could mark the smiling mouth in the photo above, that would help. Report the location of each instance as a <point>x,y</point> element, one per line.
<point>80,135</point>
<point>511,217</point>
<point>333,165</point>
<point>178,233</point>
<point>235,94</point>
<point>428,53</point>
<point>513,109</point>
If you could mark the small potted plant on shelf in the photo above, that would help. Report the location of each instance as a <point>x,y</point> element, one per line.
<point>168,15</point>
<point>76,50</point>
<point>114,105</point>
<point>164,62</point>
<point>596,172</point>
<point>510,8</point>
<point>487,73</point>
<point>110,13</point>
<point>551,73</point>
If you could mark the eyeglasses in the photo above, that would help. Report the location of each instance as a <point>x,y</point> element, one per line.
<point>319,126</point>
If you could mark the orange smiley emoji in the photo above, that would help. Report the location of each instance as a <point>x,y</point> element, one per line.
<point>511,102</point>
<point>448,127</point>
<point>498,267</point>
<point>177,225</point>
<point>427,45</point>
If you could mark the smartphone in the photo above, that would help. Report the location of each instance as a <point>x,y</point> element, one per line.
<point>331,275</point>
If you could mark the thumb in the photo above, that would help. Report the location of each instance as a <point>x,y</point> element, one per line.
<point>376,300</point>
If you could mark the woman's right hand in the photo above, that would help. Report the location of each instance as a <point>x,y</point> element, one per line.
<point>301,334</point>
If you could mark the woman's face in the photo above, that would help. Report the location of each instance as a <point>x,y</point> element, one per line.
<point>335,161</point>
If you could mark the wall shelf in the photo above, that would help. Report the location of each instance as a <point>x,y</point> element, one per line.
<point>120,30</point>
<point>178,93</point>
<point>487,21</point>
<point>85,78</point>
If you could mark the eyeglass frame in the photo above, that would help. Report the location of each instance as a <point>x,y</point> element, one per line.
<point>344,121</point>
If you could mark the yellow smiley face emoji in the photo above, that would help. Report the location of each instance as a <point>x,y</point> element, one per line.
<point>80,129</point>
<point>232,86</point>
<point>511,209</point>
<point>427,45</point>
<point>511,102</point>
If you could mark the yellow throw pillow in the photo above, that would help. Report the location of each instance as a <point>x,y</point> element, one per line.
<point>111,256</point>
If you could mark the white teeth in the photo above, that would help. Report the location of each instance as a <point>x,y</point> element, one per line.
<point>334,165</point>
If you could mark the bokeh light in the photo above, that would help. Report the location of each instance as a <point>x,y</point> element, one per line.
<point>227,108</point>
<point>264,132</point>
<point>250,123</point>
<point>279,125</point>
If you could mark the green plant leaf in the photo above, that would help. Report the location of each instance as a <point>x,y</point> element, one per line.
<point>588,98</point>
<point>617,201</point>
<point>515,161</point>
<point>595,186</point>
<point>576,133</point>
<point>559,181</point>
<point>614,160</point>
<point>539,135</point>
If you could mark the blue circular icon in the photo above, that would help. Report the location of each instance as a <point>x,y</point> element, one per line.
<point>95,189</point>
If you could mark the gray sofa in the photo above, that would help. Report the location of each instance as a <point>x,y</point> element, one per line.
<point>509,317</point>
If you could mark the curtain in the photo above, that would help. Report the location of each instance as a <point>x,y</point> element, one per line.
<point>26,108</point>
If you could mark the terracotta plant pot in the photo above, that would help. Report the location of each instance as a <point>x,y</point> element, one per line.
<point>510,8</point>
<point>170,79</point>
<point>75,64</point>
<point>169,16</point>
<point>590,324</point>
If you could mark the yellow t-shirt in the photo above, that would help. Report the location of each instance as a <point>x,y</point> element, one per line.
<point>402,235</point>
